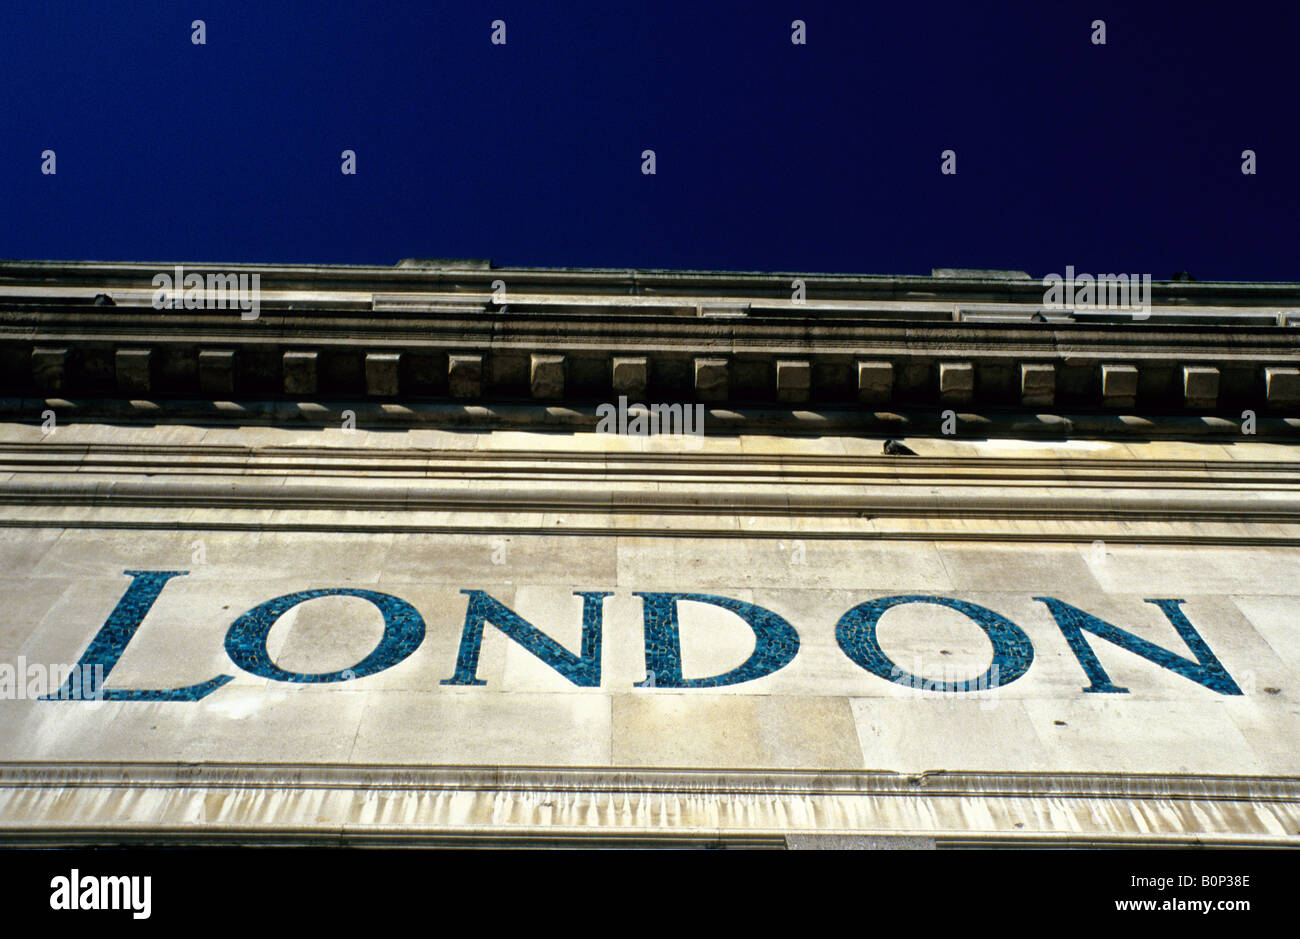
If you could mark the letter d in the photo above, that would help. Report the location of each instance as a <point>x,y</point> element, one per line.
<point>775,641</point>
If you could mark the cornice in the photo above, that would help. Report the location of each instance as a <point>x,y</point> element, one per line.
<point>414,334</point>
<point>742,495</point>
<point>297,803</point>
<point>991,285</point>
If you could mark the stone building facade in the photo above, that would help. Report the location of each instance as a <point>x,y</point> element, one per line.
<point>450,553</point>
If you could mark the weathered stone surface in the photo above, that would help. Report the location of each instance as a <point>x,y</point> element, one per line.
<point>132,366</point>
<point>1282,387</point>
<point>299,373</point>
<point>711,380</point>
<point>793,380</point>
<point>805,842</point>
<point>792,623</point>
<point>1119,385</point>
<point>546,375</point>
<point>465,375</point>
<point>217,371</point>
<point>820,711</point>
<point>383,373</point>
<point>956,382</point>
<point>1200,386</point>
<point>875,382</point>
<point>1037,384</point>
<point>629,375</point>
<point>49,366</point>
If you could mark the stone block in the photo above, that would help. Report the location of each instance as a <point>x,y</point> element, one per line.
<point>1037,384</point>
<point>217,371</point>
<point>546,375</point>
<point>49,368</point>
<point>793,380</point>
<point>465,376</point>
<point>711,379</point>
<point>1282,387</point>
<point>383,373</point>
<point>1200,386</point>
<point>132,367</point>
<point>1119,385</point>
<point>630,374</point>
<point>299,373</point>
<point>875,382</point>
<point>956,382</point>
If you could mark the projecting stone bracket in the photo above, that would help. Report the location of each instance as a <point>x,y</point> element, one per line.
<point>956,382</point>
<point>465,375</point>
<point>1037,384</point>
<point>217,372</point>
<point>383,373</point>
<point>299,373</point>
<point>1200,387</point>
<point>1282,387</point>
<point>629,375</point>
<point>711,382</point>
<point>793,380</point>
<point>132,367</point>
<point>875,382</point>
<point>1119,384</point>
<point>546,375</point>
<point>49,368</point>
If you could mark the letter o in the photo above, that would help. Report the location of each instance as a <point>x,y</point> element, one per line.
<point>1012,651</point>
<point>246,638</point>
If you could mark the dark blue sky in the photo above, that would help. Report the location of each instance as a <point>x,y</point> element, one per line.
<point>824,157</point>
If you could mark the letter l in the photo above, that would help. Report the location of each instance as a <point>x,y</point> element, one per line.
<point>111,641</point>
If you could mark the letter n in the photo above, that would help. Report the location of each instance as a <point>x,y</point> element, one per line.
<point>583,670</point>
<point>1206,670</point>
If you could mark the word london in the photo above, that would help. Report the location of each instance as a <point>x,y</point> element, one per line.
<point>776,642</point>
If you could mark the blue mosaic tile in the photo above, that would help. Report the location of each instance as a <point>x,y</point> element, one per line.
<point>246,638</point>
<point>776,642</point>
<point>1012,651</point>
<point>1206,670</point>
<point>583,670</point>
<point>111,641</point>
